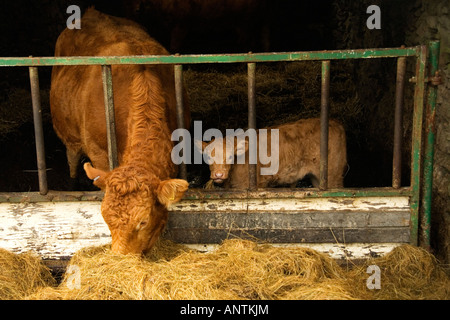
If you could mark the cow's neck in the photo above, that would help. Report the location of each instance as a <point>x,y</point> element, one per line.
<point>149,144</point>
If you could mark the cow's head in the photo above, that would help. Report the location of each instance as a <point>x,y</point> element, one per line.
<point>135,205</point>
<point>220,154</point>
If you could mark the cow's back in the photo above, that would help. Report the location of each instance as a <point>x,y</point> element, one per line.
<point>76,96</point>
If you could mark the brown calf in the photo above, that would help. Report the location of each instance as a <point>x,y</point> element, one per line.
<point>299,156</point>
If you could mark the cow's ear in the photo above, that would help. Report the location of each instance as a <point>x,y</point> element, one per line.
<point>97,175</point>
<point>171,191</point>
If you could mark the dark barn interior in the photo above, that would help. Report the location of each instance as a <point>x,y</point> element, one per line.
<point>362,92</point>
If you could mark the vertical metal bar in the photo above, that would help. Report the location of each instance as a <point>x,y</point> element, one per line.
<point>38,130</point>
<point>180,111</point>
<point>417,143</point>
<point>398,124</point>
<point>251,70</point>
<point>430,132</point>
<point>324,107</point>
<point>110,116</point>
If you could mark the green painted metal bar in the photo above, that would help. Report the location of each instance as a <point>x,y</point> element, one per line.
<point>192,194</point>
<point>251,77</point>
<point>223,58</point>
<point>38,129</point>
<point>324,108</point>
<point>417,142</point>
<point>430,132</point>
<point>178,70</point>
<point>110,117</point>
<point>398,123</point>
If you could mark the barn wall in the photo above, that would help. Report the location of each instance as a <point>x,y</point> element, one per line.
<point>409,23</point>
<point>432,21</point>
<point>374,82</point>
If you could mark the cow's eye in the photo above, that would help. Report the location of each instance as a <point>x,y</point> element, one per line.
<point>141,224</point>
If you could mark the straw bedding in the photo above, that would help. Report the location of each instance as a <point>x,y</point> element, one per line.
<point>284,93</point>
<point>238,269</point>
<point>21,274</point>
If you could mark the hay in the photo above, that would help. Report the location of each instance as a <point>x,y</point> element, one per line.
<point>21,274</point>
<point>237,270</point>
<point>241,269</point>
<point>407,273</point>
<point>210,185</point>
<point>284,92</point>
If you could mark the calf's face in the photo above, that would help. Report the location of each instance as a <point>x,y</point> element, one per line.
<point>135,206</point>
<point>220,154</point>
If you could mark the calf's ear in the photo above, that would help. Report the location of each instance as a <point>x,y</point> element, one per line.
<point>200,145</point>
<point>241,147</point>
<point>95,174</point>
<point>171,191</point>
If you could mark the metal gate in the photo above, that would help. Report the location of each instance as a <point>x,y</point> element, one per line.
<point>342,222</point>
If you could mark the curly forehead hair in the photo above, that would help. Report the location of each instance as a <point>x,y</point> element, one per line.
<point>128,179</point>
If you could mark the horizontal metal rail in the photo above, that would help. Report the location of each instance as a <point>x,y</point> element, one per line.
<point>202,194</point>
<point>198,59</point>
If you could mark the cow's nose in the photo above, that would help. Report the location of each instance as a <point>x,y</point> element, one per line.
<point>219,174</point>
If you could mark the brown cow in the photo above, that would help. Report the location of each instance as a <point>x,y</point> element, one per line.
<point>139,191</point>
<point>299,156</point>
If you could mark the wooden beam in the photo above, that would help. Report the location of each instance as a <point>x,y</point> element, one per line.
<point>57,229</point>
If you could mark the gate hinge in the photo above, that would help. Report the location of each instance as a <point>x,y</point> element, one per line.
<point>434,80</point>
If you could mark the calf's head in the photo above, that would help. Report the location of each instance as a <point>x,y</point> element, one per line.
<point>135,205</point>
<point>220,154</point>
